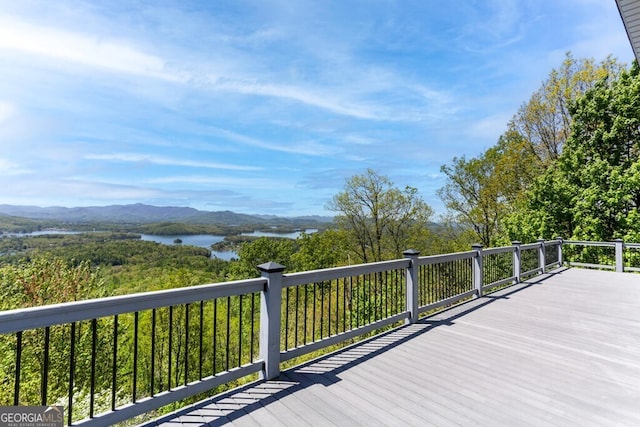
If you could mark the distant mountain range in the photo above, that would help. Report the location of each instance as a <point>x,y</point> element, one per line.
<point>143,214</point>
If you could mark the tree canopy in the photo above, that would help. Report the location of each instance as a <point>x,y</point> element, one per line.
<point>514,190</point>
<point>380,220</point>
<point>593,190</point>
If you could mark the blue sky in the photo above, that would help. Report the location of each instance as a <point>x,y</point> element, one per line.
<point>266,107</point>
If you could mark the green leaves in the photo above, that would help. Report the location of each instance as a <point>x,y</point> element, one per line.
<point>552,172</point>
<point>592,192</point>
<point>379,219</point>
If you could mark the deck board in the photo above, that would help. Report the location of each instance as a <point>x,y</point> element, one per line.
<point>560,349</point>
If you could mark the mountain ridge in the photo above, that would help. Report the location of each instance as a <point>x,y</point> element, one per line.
<point>145,214</point>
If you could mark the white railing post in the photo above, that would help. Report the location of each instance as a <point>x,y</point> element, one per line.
<point>517,261</point>
<point>542,263</point>
<point>477,269</point>
<point>619,255</point>
<point>270,300</point>
<point>412,285</point>
<point>560,259</point>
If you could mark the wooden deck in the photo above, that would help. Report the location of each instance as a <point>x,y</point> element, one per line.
<point>563,349</point>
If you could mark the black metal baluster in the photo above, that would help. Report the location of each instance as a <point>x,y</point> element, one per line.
<point>114,363</point>
<point>337,310</point>
<point>386,294</point>
<point>153,352</point>
<point>296,318</point>
<point>344,304</point>
<point>396,282</point>
<point>369,298</point>
<point>16,389</point>
<point>377,295</point>
<point>201,339</point>
<point>72,368</point>
<point>351,304</point>
<point>313,318</point>
<point>240,331</point>
<point>432,283</point>
<point>321,310</point>
<point>228,332</point>
<point>94,333</point>
<point>440,283</point>
<point>306,311</point>
<point>329,311</point>
<point>286,319</point>
<point>45,367</point>
<point>358,299</point>
<point>186,344</point>
<point>253,321</point>
<point>134,383</point>
<point>424,280</point>
<point>215,334</point>
<point>169,353</point>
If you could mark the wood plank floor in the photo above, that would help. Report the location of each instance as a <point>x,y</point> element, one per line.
<point>562,349</point>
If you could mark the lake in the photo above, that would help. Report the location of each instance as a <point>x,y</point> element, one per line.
<point>42,233</point>
<point>201,240</point>
<point>206,240</point>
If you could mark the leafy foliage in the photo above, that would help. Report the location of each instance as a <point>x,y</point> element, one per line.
<point>380,220</point>
<point>513,191</point>
<point>593,192</point>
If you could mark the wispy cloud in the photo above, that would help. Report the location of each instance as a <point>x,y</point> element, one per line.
<point>11,168</point>
<point>167,161</point>
<point>82,48</point>
<point>224,181</point>
<point>310,148</point>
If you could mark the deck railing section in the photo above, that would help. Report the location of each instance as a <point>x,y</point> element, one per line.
<point>498,267</point>
<point>325,307</point>
<point>445,279</point>
<point>530,260</point>
<point>128,355</point>
<point>631,257</point>
<point>616,255</point>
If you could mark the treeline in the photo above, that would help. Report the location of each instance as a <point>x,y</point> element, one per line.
<point>568,164</point>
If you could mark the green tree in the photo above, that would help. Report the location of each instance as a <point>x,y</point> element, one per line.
<point>323,249</point>
<point>471,195</point>
<point>259,251</point>
<point>545,120</point>
<point>378,218</point>
<point>594,192</point>
<point>489,194</point>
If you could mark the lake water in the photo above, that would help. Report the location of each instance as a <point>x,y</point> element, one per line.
<point>206,240</point>
<point>201,240</point>
<point>42,233</point>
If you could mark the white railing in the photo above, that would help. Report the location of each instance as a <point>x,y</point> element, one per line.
<point>141,352</point>
<point>616,255</point>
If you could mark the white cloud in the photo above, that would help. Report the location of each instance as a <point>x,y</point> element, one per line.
<point>223,181</point>
<point>167,161</point>
<point>82,48</point>
<point>10,168</point>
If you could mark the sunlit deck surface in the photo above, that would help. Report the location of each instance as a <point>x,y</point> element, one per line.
<point>561,349</point>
